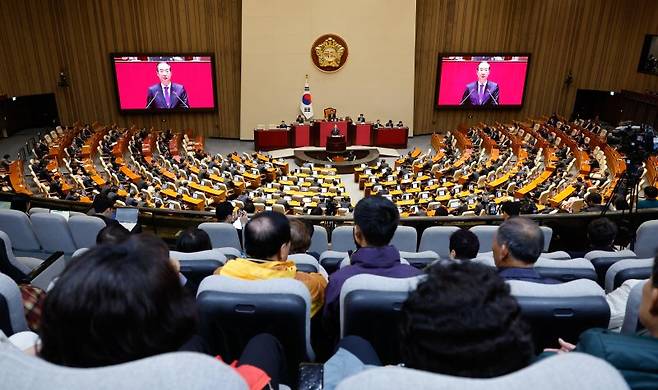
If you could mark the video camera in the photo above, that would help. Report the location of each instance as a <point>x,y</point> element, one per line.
<point>637,142</point>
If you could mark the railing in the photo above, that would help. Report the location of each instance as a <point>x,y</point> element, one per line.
<point>569,230</point>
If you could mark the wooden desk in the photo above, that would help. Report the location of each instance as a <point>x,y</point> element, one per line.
<point>564,194</point>
<point>195,204</point>
<point>130,174</point>
<point>16,178</point>
<point>216,195</point>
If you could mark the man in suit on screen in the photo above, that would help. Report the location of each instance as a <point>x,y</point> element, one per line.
<point>481,92</point>
<point>166,95</point>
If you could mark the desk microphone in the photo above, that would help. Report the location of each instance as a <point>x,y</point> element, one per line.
<point>492,96</point>
<point>462,102</point>
<point>185,104</point>
<point>151,102</point>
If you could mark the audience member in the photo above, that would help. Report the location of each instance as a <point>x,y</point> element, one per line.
<point>633,355</point>
<point>601,234</point>
<point>300,236</point>
<point>267,243</point>
<point>510,209</point>
<point>193,240</point>
<point>112,234</point>
<point>593,201</point>
<point>460,321</point>
<point>464,245</point>
<point>516,247</point>
<point>649,201</point>
<point>122,302</point>
<point>375,221</point>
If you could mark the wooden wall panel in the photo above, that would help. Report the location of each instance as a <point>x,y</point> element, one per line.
<point>42,37</point>
<point>599,41</point>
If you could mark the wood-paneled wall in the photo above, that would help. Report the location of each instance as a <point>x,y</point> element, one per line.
<point>599,41</point>
<point>40,38</point>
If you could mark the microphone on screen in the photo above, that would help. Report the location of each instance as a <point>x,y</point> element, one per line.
<point>492,96</point>
<point>152,100</point>
<point>463,100</point>
<point>180,100</point>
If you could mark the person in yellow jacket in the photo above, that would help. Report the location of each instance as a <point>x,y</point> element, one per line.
<point>267,243</point>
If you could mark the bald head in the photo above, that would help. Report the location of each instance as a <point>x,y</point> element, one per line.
<point>518,239</point>
<point>266,234</point>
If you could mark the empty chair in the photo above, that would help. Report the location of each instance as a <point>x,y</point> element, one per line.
<point>84,230</point>
<point>624,270</point>
<point>485,234</point>
<point>405,239</point>
<point>561,310</point>
<point>548,235</point>
<point>557,255</point>
<point>53,233</point>
<point>370,307</point>
<point>342,241</point>
<point>602,260</point>
<point>197,265</point>
<point>437,239</point>
<point>12,266</point>
<point>646,243</point>
<point>170,371</point>
<point>222,234</point>
<point>565,270</point>
<point>547,374</point>
<point>319,240</point>
<point>232,311</point>
<point>307,263</point>
<point>35,210</point>
<point>12,314</point>
<point>19,229</point>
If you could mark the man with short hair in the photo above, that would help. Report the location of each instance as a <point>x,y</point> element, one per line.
<point>601,234</point>
<point>481,92</point>
<point>593,201</point>
<point>166,95</point>
<point>267,244</point>
<point>510,209</point>
<point>375,221</point>
<point>516,247</point>
<point>649,201</point>
<point>464,245</point>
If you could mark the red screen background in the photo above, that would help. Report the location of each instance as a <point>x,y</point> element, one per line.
<point>135,77</point>
<point>509,75</point>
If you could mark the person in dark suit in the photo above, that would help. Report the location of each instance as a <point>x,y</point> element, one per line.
<point>481,92</point>
<point>166,95</point>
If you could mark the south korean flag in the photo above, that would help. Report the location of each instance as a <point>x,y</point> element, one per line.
<point>306,103</point>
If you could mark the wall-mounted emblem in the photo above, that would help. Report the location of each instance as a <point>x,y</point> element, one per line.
<point>329,52</point>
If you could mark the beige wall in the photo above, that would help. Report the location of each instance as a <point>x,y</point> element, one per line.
<point>377,80</point>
